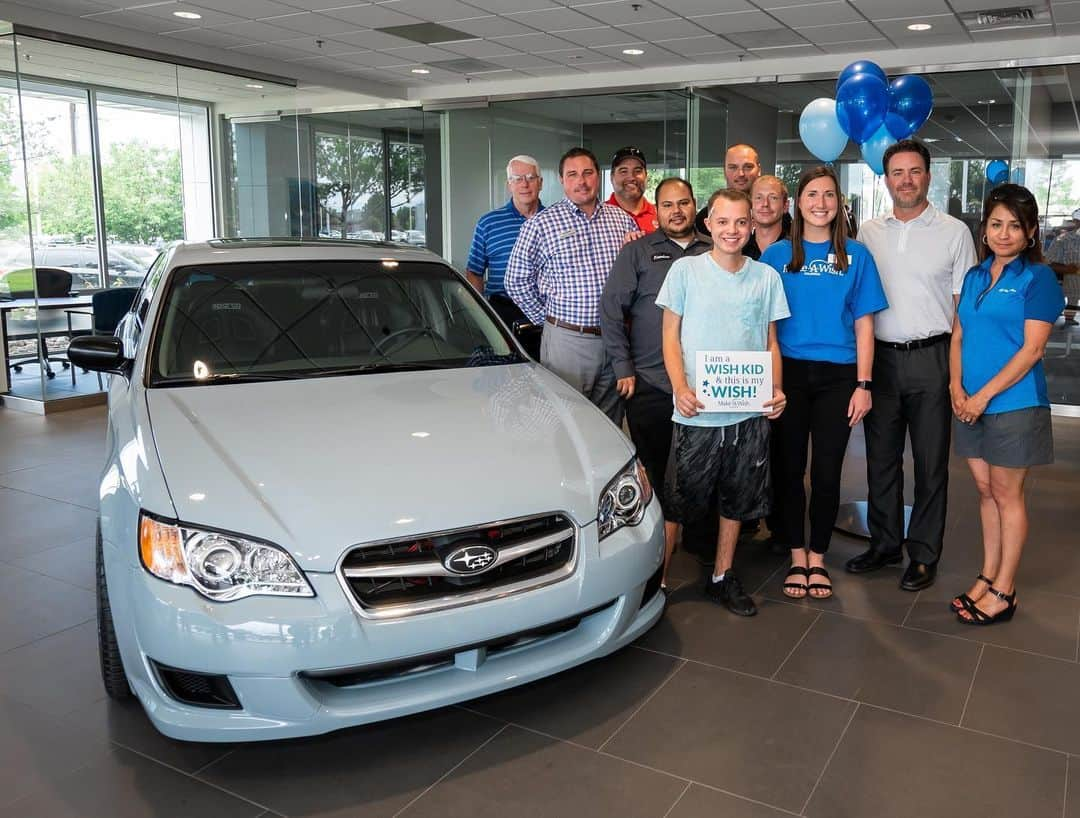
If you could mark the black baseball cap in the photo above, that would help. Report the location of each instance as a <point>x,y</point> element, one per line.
<point>626,153</point>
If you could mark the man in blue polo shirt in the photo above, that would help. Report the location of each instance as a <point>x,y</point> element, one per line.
<point>496,233</point>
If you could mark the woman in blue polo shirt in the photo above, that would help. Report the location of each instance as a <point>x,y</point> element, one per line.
<point>1008,304</point>
<point>827,347</point>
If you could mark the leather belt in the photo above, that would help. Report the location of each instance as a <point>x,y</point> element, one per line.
<point>919,343</point>
<point>573,327</point>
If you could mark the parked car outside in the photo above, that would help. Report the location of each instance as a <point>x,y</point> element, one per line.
<point>81,260</point>
<point>337,492</point>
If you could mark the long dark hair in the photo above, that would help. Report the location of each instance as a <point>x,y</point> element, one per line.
<point>1019,201</point>
<point>840,232</point>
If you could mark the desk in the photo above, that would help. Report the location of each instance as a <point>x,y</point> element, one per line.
<point>40,305</point>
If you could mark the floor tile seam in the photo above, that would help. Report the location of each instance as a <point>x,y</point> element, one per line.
<point>49,635</point>
<point>746,798</point>
<point>185,774</point>
<point>682,795</point>
<point>828,761</point>
<point>44,497</point>
<point>66,544</point>
<point>765,583</point>
<point>971,687</point>
<point>973,730</point>
<point>911,608</point>
<point>756,676</point>
<point>450,772</point>
<point>196,773</point>
<point>791,652</point>
<point>41,573</point>
<point>107,747</point>
<point>1065,795</point>
<point>1066,660</point>
<point>1078,638</point>
<point>639,708</point>
<point>824,607</point>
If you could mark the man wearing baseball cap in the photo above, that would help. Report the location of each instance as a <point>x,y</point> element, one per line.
<point>628,180</point>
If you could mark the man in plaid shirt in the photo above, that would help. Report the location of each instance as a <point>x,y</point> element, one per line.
<point>557,272</point>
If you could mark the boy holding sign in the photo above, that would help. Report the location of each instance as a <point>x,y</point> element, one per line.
<point>721,353</point>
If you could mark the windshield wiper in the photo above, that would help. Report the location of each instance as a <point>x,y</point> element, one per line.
<point>371,369</point>
<point>232,377</point>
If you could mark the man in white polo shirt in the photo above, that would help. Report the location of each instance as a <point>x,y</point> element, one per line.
<point>922,255</point>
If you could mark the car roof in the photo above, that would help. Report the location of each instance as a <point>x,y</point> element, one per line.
<point>218,251</point>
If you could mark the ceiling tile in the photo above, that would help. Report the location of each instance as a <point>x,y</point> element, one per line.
<point>862,46</point>
<point>435,11</point>
<point>533,43</point>
<point>76,7</point>
<point>946,29</point>
<point>207,36</point>
<point>523,61</point>
<point>136,20</point>
<point>421,53</point>
<point>603,35</point>
<point>210,17</point>
<point>306,22</point>
<point>373,39</point>
<point>253,30</point>
<point>481,49</point>
<point>1068,29</point>
<point>840,33</point>
<point>766,39</point>
<point>560,19</point>
<point>317,47</point>
<point>574,56</point>
<point>1066,13</point>
<point>654,57</point>
<point>779,4</point>
<point>662,30</point>
<point>977,5</point>
<point>507,6</point>
<point>374,59</point>
<point>766,52</point>
<point>252,9</point>
<point>273,51</point>
<point>694,46</point>
<point>553,71</point>
<point>884,9</point>
<point>371,16</point>
<point>817,15</point>
<point>688,8</point>
<point>490,26</point>
<point>1025,33</point>
<point>618,12</point>
<point>736,21</point>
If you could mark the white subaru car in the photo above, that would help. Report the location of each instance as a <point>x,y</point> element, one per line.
<point>337,491</point>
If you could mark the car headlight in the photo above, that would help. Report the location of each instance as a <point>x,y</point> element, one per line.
<point>623,500</point>
<point>221,567</point>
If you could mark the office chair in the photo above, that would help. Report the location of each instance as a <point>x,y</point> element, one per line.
<point>52,282</point>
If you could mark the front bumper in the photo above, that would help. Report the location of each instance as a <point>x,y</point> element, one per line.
<point>279,652</point>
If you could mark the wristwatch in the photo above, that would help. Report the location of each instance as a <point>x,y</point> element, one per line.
<point>863,385</point>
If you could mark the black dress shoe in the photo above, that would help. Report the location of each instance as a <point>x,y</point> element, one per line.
<point>870,560</point>
<point>919,575</point>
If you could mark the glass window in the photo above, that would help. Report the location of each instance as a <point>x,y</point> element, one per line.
<point>351,185</point>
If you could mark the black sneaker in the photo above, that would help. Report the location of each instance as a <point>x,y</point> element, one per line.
<point>729,593</point>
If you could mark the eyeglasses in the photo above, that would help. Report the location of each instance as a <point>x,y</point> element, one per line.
<point>514,178</point>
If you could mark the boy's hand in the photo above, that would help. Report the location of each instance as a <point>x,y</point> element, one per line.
<point>687,403</point>
<point>777,404</point>
<point>858,406</point>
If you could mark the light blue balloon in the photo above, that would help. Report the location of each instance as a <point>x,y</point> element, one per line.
<point>820,130</point>
<point>873,149</point>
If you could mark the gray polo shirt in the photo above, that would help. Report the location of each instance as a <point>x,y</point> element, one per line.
<point>630,322</point>
<point>922,264</point>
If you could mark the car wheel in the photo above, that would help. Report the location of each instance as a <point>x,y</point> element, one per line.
<point>112,666</point>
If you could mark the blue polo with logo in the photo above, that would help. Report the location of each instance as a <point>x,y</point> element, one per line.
<point>492,242</point>
<point>992,319</point>
<point>824,301</point>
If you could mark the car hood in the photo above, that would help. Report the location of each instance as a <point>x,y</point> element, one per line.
<point>318,465</point>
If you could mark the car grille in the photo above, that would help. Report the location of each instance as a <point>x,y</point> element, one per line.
<point>410,576</point>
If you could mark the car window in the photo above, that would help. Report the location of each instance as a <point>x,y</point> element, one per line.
<point>306,319</point>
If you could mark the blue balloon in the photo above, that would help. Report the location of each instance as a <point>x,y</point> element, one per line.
<point>910,104</point>
<point>820,131</point>
<point>997,172</point>
<point>873,149</point>
<point>861,105</point>
<point>860,67</point>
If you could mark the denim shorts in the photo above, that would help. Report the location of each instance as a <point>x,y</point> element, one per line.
<point>1014,440</point>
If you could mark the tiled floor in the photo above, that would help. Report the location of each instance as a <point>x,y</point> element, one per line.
<point>875,703</point>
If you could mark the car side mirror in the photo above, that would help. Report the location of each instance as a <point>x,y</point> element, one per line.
<point>98,353</point>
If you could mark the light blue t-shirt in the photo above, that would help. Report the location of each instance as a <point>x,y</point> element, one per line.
<point>721,311</point>
<point>825,302</point>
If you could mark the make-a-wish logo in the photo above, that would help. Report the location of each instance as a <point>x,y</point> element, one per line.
<point>818,267</point>
<point>1007,290</point>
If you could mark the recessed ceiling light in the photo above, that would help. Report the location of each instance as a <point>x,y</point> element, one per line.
<point>420,71</point>
<point>187,15</point>
<point>986,101</point>
<point>920,27</point>
<point>633,52</point>
<point>253,85</point>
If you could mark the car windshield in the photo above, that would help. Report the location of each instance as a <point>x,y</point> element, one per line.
<point>283,320</point>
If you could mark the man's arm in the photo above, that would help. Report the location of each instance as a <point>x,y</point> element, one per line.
<point>522,271</point>
<point>615,302</point>
<point>477,262</point>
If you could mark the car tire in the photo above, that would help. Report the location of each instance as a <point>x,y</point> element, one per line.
<point>112,666</point>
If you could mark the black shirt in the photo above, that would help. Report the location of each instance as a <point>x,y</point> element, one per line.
<point>751,249</point>
<point>630,322</point>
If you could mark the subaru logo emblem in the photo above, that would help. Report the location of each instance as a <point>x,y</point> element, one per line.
<point>472,559</point>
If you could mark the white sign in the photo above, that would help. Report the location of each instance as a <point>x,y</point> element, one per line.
<point>734,381</point>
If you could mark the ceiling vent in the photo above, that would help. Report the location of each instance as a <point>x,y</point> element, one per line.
<point>1006,18</point>
<point>466,65</point>
<point>427,33</point>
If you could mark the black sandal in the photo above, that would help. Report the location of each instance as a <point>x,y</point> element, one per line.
<point>963,601</point>
<point>817,570</point>
<point>980,617</point>
<point>796,571</point>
